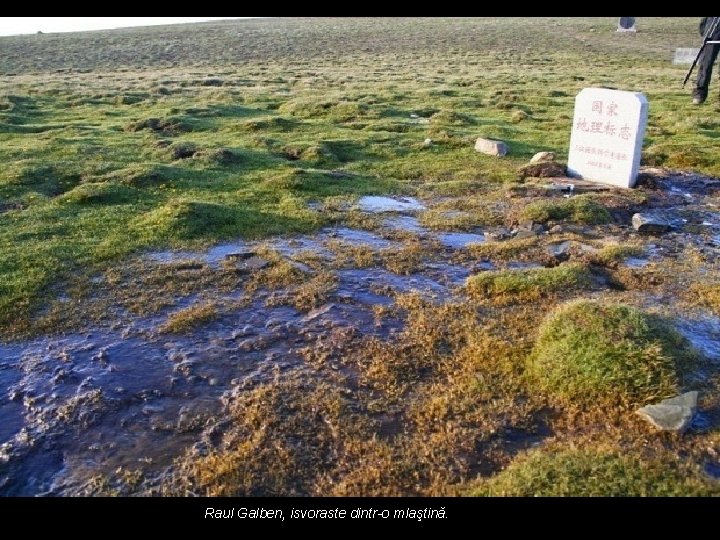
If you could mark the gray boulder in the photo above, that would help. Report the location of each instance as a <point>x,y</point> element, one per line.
<point>651,223</point>
<point>674,414</point>
<point>490,147</point>
<point>543,156</point>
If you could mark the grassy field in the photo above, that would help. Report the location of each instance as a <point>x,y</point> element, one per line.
<point>118,141</point>
<point>113,143</point>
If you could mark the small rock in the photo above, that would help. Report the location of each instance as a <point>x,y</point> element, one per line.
<point>556,229</point>
<point>560,252</point>
<point>252,264</point>
<point>184,367</point>
<point>490,147</point>
<point>526,225</point>
<point>247,330</point>
<point>102,356</point>
<point>496,236</point>
<point>674,414</point>
<point>543,156</point>
<point>247,345</point>
<point>562,187</point>
<point>273,321</point>
<point>543,169</point>
<point>279,332</point>
<point>427,142</point>
<point>530,225</point>
<point>176,357</point>
<point>651,223</point>
<point>240,255</point>
<point>524,233</point>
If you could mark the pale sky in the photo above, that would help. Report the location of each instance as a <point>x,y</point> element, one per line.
<point>30,25</point>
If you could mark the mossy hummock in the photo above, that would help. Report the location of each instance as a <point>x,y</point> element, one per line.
<point>589,352</point>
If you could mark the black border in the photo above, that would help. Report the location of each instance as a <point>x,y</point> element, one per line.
<point>479,517</point>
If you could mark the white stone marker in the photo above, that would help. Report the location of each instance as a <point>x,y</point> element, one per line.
<point>607,136</point>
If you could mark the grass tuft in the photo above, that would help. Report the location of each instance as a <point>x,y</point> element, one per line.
<point>593,473</point>
<point>188,318</point>
<point>581,209</point>
<point>528,284</point>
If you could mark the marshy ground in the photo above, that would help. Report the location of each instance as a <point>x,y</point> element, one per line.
<point>232,263</point>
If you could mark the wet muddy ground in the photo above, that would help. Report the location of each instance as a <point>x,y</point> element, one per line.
<point>119,400</point>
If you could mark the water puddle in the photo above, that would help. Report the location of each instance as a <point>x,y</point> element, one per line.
<point>456,240</point>
<point>704,333</point>
<point>213,256</point>
<point>246,252</point>
<point>712,470</point>
<point>636,262</point>
<point>376,204</point>
<point>405,223</point>
<point>355,236</point>
<point>369,283</point>
<point>94,401</point>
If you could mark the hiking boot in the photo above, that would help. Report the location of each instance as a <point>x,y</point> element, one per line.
<point>698,97</point>
<point>698,100</point>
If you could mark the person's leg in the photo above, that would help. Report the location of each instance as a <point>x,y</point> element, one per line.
<point>705,66</point>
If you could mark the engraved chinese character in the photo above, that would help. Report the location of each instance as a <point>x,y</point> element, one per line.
<point>597,106</point>
<point>625,132</point>
<point>596,127</point>
<point>582,125</point>
<point>611,109</point>
<point>610,129</point>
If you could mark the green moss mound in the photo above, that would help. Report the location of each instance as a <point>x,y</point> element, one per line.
<point>583,473</point>
<point>142,176</point>
<point>580,209</point>
<point>339,111</point>
<point>103,193</point>
<point>534,281</point>
<point>588,352</point>
<point>183,219</point>
<point>46,180</point>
